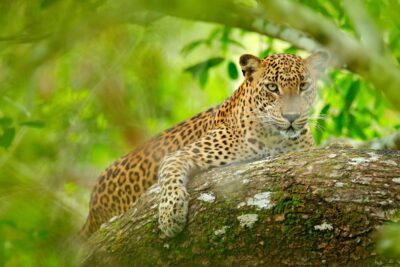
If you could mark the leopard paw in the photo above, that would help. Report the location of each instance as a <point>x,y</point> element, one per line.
<point>173,209</point>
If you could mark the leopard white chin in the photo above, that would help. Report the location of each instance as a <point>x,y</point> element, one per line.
<point>290,133</point>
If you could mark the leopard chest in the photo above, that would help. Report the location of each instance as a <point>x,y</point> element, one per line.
<point>267,141</point>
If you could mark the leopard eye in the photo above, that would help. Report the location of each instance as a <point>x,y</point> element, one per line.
<point>273,87</point>
<point>304,86</point>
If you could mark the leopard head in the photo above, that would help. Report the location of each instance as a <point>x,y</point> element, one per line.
<point>282,88</point>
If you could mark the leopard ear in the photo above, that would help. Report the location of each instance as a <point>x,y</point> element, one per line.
<point>317,63</point>
<point>249,64</point>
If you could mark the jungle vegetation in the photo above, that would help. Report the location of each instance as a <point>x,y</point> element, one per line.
<point>84,82</point>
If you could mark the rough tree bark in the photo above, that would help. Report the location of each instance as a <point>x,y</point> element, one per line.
<point>310,208</point>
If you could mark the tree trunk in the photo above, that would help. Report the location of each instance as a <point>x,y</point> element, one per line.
<point>310,208</point>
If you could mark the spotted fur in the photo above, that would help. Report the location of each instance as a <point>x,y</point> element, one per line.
<point>266,116</point>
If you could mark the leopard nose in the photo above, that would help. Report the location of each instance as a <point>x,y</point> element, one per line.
<point>291,117</point>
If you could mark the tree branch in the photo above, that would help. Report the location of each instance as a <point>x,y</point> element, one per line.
<point>364,26</point>
<point>303,27</point>
<point>247,17</point>
<point>282,19</point>
<point>310,208</point>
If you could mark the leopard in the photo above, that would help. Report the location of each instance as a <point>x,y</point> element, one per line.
<point>266,116</point>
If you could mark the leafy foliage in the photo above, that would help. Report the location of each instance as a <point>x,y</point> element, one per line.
<point>200,70</point>
<point>80,86</point>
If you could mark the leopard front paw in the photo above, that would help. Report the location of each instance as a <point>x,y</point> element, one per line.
<point>173,209</point>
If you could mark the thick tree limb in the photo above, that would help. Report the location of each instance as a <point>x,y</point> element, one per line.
<point>366,29</point>
<point>246,17</point>
<point>286,20</point>
<point>292,22</point>
<point>310,208</point>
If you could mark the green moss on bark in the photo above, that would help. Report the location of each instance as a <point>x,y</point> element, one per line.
<point>311,222</point>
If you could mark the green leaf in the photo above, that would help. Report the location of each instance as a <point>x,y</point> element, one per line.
<point>7,137</point>
<point>265,53</point>
<point>237,43</point>
<point>33,124</point>
<point>196,69</point>
<point>290,50</point>
<point>321,123</point>
<point>354,127</point>
<point>190,47</point>
<point>340,122</point>
<point>213,35</point>
<point>203,77</point>
<point>232,71</point>
<point>225,38</point>
<point>6,121</point>
<point>351,94</point>
<point>360,133</point>
<point>200,70</point>
<point>47,3</point>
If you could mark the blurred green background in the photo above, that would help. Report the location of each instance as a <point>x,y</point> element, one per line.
<point>80,87</point>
